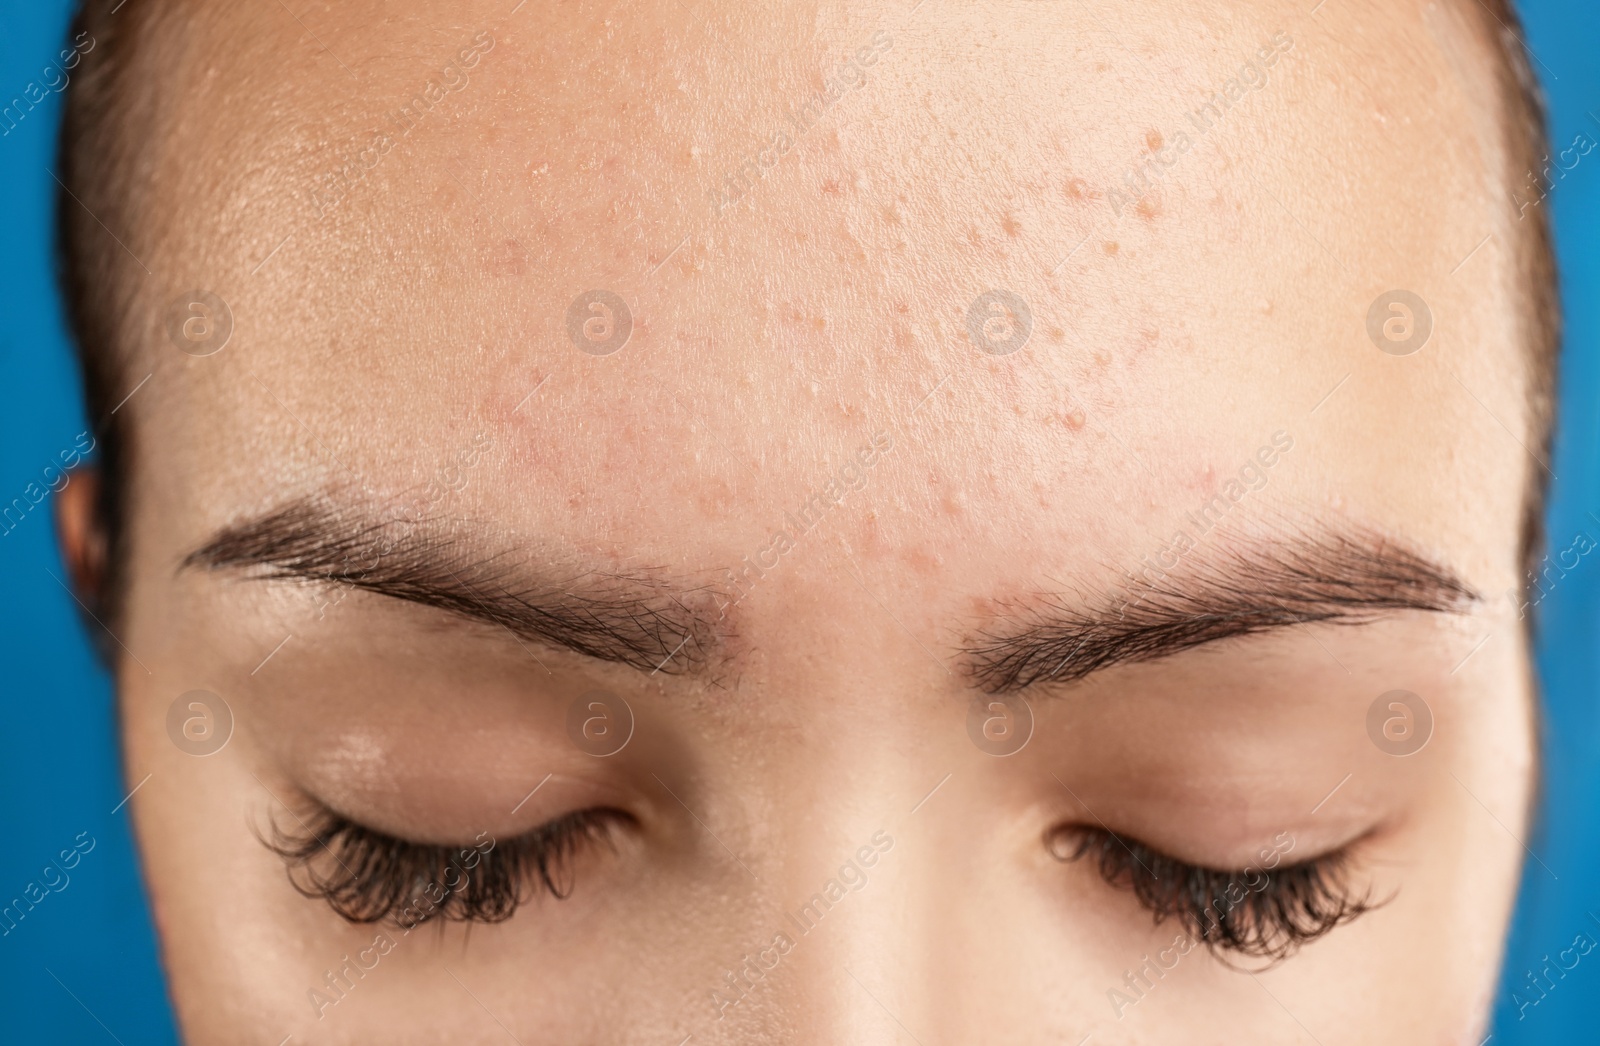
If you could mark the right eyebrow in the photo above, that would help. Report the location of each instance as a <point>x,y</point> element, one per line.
<point>638,620</point>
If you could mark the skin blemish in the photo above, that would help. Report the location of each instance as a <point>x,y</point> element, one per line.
<point>716,499</point>
<point>1012,227</point>
<point>922,561</point>
<point>1057,335</point>
<point>507,258</point>
<point>1148,207</point>
<point>904,340</point>
<point>1076,189</point>
<point>1110,247</point>
<point>1153,140</point>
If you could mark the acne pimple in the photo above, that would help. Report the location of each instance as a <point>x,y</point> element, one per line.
<point>922,561</point>
<point>1110,247</point>
<point>904,340</point>
<point>716,499</point>
<point>1153,139</point>
<point>1012,227</point>
<point>1149,207</point>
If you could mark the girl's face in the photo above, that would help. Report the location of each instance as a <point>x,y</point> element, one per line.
<point>847,523</point>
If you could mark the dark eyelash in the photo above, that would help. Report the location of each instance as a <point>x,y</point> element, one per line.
<point>1284,908</point>
<point>368,877</point>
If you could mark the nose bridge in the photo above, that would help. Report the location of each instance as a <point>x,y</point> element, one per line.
<point>844,962</point>
<point>853,949</point>
<point>853,958</point>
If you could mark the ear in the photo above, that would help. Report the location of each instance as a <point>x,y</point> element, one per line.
<point>82,533</point>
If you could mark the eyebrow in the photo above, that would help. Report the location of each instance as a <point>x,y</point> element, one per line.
<point>640,620</point>
<point>1343,577</point>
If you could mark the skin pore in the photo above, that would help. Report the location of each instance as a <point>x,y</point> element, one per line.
<point>401,523</point>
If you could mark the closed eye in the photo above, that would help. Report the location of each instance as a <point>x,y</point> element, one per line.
<point>1258,912</point>
<point>367,876</point>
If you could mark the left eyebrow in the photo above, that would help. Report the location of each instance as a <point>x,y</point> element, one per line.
<point>1344,577</point>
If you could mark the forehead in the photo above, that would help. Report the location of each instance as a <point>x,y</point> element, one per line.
<point>825,224</point>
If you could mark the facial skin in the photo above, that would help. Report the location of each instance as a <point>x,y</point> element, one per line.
<point>401,353</point>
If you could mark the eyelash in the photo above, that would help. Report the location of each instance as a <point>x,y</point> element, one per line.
<point>1291,906</point>
<point>372,877</point>
<point>368,876</point>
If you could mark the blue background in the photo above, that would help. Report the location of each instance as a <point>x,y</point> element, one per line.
<point>82,966</point>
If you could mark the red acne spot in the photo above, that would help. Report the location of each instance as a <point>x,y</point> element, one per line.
<point>1110,247</point>
<point>1076,189</point>
<point>891,215</point>
<point>831,186</point>
<point>1012,227</point>
<point>1153,140</point>
<point>1149,207</point>
<point>1057,334</point>
<point>904,341</point>
<point>1074,419</point>
<point>902,307</point>
<point>922,561</point>
<point>507,259</point>
<point>716,499</point>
